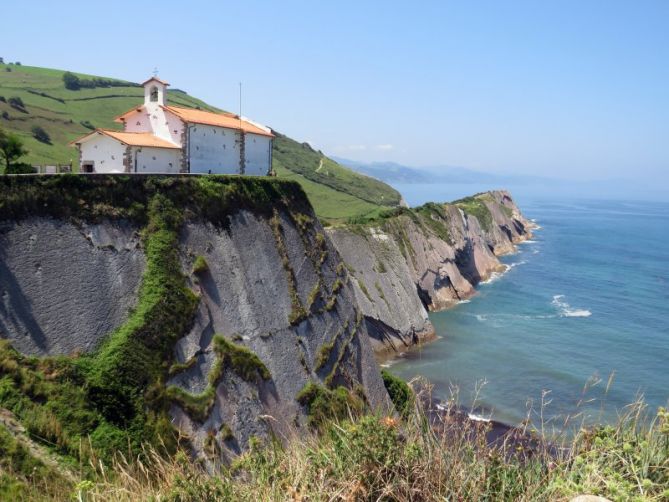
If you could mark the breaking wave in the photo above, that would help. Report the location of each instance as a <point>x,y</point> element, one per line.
<point>565,310</point>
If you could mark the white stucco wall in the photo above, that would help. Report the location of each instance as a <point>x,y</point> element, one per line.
<point>154,119</point>
<point>156,160</point>
<point>105,153</point>
<point>257,151</point>
<point>214,149</point>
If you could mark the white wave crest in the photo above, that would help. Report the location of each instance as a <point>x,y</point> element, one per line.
<point>477,418</point>
<point>565,310</point>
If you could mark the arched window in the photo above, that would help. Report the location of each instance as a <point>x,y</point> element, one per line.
<point>154,94</point>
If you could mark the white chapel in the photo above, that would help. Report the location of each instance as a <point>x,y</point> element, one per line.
<point>159,138</point>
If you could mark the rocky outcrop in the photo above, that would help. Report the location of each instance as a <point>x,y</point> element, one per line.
<point>258,273</point>
<point>220,305</point>
<point>384,288</point>
<point>435,254</point>
<point>65,286</point>
<point>109,266</point>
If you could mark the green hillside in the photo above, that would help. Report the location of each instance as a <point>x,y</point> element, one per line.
<point>336,192</point>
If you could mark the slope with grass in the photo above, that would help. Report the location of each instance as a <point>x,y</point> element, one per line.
<point>336,192</point>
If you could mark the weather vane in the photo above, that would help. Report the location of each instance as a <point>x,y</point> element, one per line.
<point>155,71</point>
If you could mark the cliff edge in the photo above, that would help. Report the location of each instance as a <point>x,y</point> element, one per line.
<point>409,261</point>
<point>205,310</point>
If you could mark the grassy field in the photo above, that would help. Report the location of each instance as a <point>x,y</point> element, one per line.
<point>336,192</point>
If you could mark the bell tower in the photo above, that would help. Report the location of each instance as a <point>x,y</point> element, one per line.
<point>155,93</point>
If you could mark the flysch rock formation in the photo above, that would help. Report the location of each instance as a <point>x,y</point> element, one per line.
<point>384,288</point>
<point>245,295</point>
<point>270,285</point>
<point>402,265</point>
<point>64,287</point>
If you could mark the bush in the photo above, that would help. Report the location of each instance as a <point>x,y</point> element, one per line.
<point>21,168</point>
<point>5,115</point>
<point>324,404</point>
<point>2,99</point>
<point>87,124</point>
<point>200,265</point>
<point>41,135</point>
<point>399,392</point>
<point>16,102</point>
<point>71,81</point>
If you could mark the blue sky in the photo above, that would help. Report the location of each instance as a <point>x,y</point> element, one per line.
<point>577,90</point>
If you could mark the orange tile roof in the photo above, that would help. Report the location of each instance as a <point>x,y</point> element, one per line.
<point>131,139</point>
<point>122,117</point>
<point>156,79</point>
<point>228,120</point>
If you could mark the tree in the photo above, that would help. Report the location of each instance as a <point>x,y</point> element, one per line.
<point>71,81</point>
<point>11,149</point>
<point>2,60</point>
<point>41,135</point>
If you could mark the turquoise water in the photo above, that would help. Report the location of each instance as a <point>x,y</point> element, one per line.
<point>586,299</point>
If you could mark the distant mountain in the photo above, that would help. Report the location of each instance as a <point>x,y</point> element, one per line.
<point>392,172</point>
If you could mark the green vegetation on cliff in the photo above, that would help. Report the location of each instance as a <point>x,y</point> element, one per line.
<point>114,400</point>
<point>38,98</point>
<point>231,356</point>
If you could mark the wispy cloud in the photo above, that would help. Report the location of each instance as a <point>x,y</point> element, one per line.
<point>385,147</point>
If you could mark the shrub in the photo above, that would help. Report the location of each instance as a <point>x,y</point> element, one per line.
<point>87,124</point>
<point>71,81</point>
<point>200,266</point>
<point>399,392</point>
<point>324,404</point>
<point>11,149</point>
<point>20,168</point>
<point>41,135</point>
<point>5,115</point>
<point>17,103</point>
<point>3,99</point>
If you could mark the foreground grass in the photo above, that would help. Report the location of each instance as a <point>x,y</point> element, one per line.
<point>384,458</point>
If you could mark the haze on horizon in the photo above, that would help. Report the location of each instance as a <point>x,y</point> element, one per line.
<point>573,90</point>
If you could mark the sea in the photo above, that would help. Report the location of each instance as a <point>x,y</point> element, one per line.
<point>575,330</point>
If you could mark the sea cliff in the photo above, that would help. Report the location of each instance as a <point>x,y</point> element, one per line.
<point>214,310</point>
<point>213,304</point>
<point>426,258</point>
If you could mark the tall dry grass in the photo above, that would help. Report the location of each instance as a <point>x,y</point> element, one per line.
<point>423,457</point>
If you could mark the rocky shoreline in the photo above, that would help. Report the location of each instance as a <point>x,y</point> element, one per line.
<point>426,259</point>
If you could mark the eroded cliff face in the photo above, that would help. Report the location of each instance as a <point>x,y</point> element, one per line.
<point>65,286</point>
<point>208,303</point>
<point>432,256</point>
<point>218,306</point>
<point>281,291</point>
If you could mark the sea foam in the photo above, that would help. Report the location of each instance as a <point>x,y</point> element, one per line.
<point>565,310</point>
